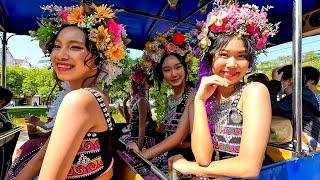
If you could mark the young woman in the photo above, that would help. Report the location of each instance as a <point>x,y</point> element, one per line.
<point>141,124</point>
<point>171,67</point>
<point>81,49</point>
<point>232,121</point>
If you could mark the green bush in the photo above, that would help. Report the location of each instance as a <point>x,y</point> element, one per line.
<point>23,112</point>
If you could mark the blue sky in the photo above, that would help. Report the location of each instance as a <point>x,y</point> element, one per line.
<point>22,47</point>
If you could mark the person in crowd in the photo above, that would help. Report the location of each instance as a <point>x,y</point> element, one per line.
<point>232,119</point>
<point>87,45</point>
<point>258,77</point>
<point>283,107</point>
<point>170,65</point>
<point>8,139</point>
<point>34,121</point>
<point>141,124</point>
<point>5,97</point>
<point>311,80</point>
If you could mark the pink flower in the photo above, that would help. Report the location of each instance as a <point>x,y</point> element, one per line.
<point>64,14</point>
<point>171,47</point>
<point>252,29</point>
<point>262,41</point>
<point>115,29</point>
<point>222,28</point>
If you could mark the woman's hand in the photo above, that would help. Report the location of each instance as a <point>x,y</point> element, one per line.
<point>208,86</point>
<point>179,163</point>
<point>132,146</point>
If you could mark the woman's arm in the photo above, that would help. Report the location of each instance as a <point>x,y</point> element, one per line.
<point>76,116</point>
<point>125,109</point>
<point>143,110</point>
<point>175,140</point>
<point>256,109</point>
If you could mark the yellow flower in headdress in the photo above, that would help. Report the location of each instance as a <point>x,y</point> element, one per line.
<point>116,52</point>
<point>101,37</point>
<point>160,39</point>
<point>147,63</point>
<point>76,15</point>
<point>103,12</point>
<point>149,46</point>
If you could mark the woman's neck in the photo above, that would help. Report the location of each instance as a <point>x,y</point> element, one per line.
<point>226,92</point>
<point>179,90</point>
<point>79,84</point>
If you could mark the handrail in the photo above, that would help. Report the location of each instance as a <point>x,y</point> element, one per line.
<point>147,163</point>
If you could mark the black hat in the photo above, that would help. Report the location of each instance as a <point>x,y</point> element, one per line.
<point>6,95</point>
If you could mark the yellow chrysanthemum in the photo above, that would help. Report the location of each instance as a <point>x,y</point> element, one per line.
<point>76,16</point>
<point>160,39</point>
<point>146,62</point>
<point>116,52</point>
<point>103,12</point>
<point>101,37</point>
<point>149,46</point>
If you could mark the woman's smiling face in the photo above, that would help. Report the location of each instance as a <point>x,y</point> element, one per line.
<point>69,54</point>
<point>231,62</point>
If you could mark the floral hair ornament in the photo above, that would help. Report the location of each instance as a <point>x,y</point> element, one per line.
<point>170,42</point>
<point>238,20</point>
<point>139,77</point>
<point>106,36</point>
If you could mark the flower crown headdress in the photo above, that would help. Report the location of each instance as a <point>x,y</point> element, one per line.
<point>139,76</point>
<point>107,36</point>
<point>238,20</point>
<point>170,42</point>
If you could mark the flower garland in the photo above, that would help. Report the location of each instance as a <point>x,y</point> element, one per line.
<point>106,35</point>
<point>169,42</point>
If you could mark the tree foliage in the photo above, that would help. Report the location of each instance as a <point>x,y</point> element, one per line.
<point>27,82</point>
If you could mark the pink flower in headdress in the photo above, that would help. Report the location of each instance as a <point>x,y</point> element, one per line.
<point>115,29</point>
<point>219,27</point>
<point>262,41</point>
<point>64,13</point>
<point>171,47</point>
<point>253,29</point>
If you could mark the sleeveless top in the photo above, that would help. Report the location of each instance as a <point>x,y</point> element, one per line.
<point>172,116</point>
<point>134,118</point>
<point>94,155</point>
<point>228,120</point>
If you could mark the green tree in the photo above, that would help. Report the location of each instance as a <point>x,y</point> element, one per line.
<point>15,77</point>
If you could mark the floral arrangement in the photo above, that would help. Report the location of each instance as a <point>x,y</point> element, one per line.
<point>139,77</point>
<point>169,42</point>
<point>107,36</point>
<point>238,20</point>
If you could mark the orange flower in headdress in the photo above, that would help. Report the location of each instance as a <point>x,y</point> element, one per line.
<point>76,15</point>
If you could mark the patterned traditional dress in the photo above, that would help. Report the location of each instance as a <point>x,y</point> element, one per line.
<point>133,134</point>
<point>93,157</point>
<point>228,125</point>
<point>172,116</point>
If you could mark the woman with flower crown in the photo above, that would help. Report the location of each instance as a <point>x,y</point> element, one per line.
<point>85,43</point>
<point>232,119</point>
<point>168,55</point>
<point>141,124</point>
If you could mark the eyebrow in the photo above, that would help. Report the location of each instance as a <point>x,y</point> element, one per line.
<point>71,41</point>
<point>173,65</point>
<point>244,51</point>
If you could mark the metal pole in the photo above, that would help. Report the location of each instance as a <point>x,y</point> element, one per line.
<point>4,46</point>
<point>297,75</point>
<point>147,163</point>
